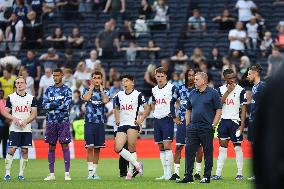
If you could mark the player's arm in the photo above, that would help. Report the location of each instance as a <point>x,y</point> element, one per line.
<point>46,104</point>
<point>243,102</point>
<point>67,101</point>
<point>230,88</point>
<point>175,95</point>
<point>7,112</point>
<point>33,113</point>
<point>105,94</point>
<point>188,112</point>
<point>142,102</point>
<point>218,107</point>
<point>116,109</point>
<point>87,94</point>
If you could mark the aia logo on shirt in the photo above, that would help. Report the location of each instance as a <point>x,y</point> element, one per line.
<point>22,109</point>
<point>229,102</point>
<point>126,107</point>
<point>161,101</point>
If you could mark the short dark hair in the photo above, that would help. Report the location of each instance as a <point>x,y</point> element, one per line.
<point>227,72</point>
<point>127,76</point>
<point>77,91</point>
<point>256,68</point>
<point>97,73</point>
<point>58,70</point>
<point>161,70</point>
<point>187,73</point>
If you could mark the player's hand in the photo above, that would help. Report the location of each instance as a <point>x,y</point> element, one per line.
<point>138,122</point>
<point>101,88</point>
<point>140,130</point>
<point>16,121</point>
<point>23,123</point>
<point>231,87</point>
<point>117,123</point>
<point>239,132</point>
<point>177,121</point>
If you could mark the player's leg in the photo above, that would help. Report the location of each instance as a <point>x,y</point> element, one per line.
<point>132,135</point>
<point>198,161</point>
<point>64,136</point>
<point>123,164</point>
<point>168,135</point>
<point>14,143</point>
<point>89,144</point>
<point>96,162</point>
<point>99,142</point>
<point>26,142</point>
<point>159,140</point>
<point>224,136</point>
<point>250,138</point>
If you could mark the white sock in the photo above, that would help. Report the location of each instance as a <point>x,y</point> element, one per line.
<point>131,167</point>
<point>197,167</point>
<point>169,162</point>
<point>51,174</point>
<point>95,169</point>
<point>176,168</point>
<point>23,165</point>
<point>129,157</point>
<point>221,159</point>
<point>8,163</point>
<point>90,168</point>
<point>163,160</point>
<point>67,173</point>
<point>239,159</point>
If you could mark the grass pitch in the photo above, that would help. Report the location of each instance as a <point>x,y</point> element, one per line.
<point>37,170</point>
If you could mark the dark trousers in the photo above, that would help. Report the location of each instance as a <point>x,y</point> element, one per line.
<point>194,137</point>
<point>4,135</point>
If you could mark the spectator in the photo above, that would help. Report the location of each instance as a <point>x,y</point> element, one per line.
<point>7,81</point>
<point>237,38</point>
<point>245,8</point>
<point>32,65</point>
<point>151,52</point>
<point>76,106</point>
<point>78,85</point>
<point>49,59</point>
<point>115,88</point>
<point>228,65</point>
<point>14,33</point>
<point>68,78</point>
<point>266,44</point>
<point>4,126</point>
<point>33,32</point>
<point>243,72</point>
<point>126,32</point>
<point>6,5</point>
<point>196,23</point>
<point>49,8</point>
<point>75,40</point>
<point>57,40</point>
<point>117,8</point>
<point>252,32</point>
<point>279,40</point>
<point>225,20</point>
<point>2,42</point>
<point>131,52</point>
<point>68,60</point>
<point>175,80</point>
<point>149,80</point>
<point>90,62</point>
<point>113,75</point>
<point>215,59</point>
<point>203,68</point>
<point>161,18</point>
<point>29,81</point>
<point>145,11</point>
<point>105,40</point>
<point>69,8</point>
<point>278,2</point>
<point>179,59</point>
<point>197,57</point>
<point>45,81</point>
<point>21,10</point>
<point>81,73</point>
<point>275,62</point>
<point>141,27</point>
<point>11,60</point>
<point>85,6</point>
<point>166,65</point>
<point>36,6</point>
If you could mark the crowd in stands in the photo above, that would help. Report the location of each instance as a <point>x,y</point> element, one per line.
<point>23,28</point>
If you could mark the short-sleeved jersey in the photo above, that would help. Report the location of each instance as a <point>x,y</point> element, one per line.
<point>21,107</point>
<point>162,98</point>
<point>56,101</point>
<point>128,105</point>
<point>203,106</point>
<point>7,85</point>
<point>234,101</point>
<point>256,93</point>
<point>95,107</point>
<point>182,93</point>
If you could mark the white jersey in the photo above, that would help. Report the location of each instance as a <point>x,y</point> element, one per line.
<point>162,98</point>
<point>21,107</point>
<point>233,103</point>
<point>128,106</point>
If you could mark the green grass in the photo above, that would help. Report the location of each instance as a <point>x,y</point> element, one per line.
<point>37,170</point>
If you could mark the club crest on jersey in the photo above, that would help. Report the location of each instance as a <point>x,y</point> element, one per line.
<point>21,109</point>
<point>126,107</point>
<point>229,102</point>
<point>161,101</point>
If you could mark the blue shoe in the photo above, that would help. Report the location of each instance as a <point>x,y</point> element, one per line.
<point>216,177</point>
<point>21,178</point>
<point>7,178</point>
<point>239,177</point>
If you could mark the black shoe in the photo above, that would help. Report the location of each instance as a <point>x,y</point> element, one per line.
<point>197,176</point>
<point>186,180</point>
<point>205,180</point>
<point>135,172</point>
<point>174,177</point>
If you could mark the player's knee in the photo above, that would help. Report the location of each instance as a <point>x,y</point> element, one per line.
<point>52,147</point>
<point>178,148</point>
<point>90,149</point>
<point>131,148</point>
<point>117,149</point>
<point>24,151</point>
